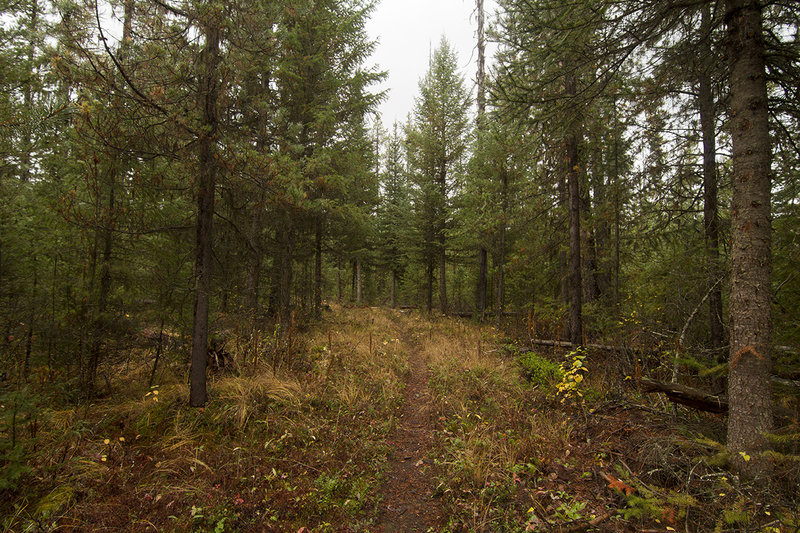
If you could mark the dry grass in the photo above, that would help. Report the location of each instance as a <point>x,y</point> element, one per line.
<point>245,397</point>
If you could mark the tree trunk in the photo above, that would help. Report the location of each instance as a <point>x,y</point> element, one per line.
<point>27,94</point>
<point>394,289</point>
<point>573,188</point>
<point>31,317</point>
<point>254,260</point>
<point>705,103</point>
<point>483,255</point>
<point>483,274</point>
<point>358,281</point>
<point>500,295</point>
<point>590,284</point>
<point>318,267</point>
<point>563,255</point>
<point>442,276</point>
<point>339,284</point>
<point>207,94</point>
<point>750,417</point>
<point>285,275</point>
<point>616,210</point>
<point>429,302</point>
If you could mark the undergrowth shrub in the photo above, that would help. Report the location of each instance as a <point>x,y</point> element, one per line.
<point>574,370</point>
<point>18,424</point>
<point>540,371</point>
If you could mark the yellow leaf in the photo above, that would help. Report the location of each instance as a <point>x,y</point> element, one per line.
<point>106,441</point>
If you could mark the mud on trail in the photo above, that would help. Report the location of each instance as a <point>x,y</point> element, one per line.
<point>408,496</point>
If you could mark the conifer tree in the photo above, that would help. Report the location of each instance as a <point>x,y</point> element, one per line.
<point>437,146</point>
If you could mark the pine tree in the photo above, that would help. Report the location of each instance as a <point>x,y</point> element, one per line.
<point>394,212</point>
<point>437,146</point>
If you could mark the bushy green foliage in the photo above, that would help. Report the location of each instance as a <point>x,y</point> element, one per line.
<point>539,370</point>
<point>18,414</point>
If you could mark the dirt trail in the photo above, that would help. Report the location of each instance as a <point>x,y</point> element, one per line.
<point>408,504</point>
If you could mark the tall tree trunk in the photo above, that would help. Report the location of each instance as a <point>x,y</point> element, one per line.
<point>429,272</point>
<point>442,275</point>
<point>100,336</point>
<point>318,267</point>
<point>353,282</point>
<point>500,291</point>
<point>616,210</point>
<point>254,255</point>
<point>27,94</point>
<point>563,255</point>
<point>750,415</point>
<point>573,188</point>
<point>394,289</point>
<point>590,284</point>
<point>483,276</point>
<point>31,317</point>
<point>208,91</point>
<point>339,284</point>
<point>441,239</point>
<point>705,103</point>
<point>358,281</point>
<point>285,276</point>
<point>483,255</point>
<point>106,236</point>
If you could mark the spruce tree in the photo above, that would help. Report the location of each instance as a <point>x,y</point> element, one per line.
<point>437,147</point>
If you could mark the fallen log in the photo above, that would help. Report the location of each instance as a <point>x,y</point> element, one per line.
<point>688,396</point>
<point>566,344</point>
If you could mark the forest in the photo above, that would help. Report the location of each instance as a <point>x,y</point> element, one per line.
<point>563,295</point>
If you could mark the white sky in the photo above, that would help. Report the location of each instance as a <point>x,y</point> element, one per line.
<point>407,31</point>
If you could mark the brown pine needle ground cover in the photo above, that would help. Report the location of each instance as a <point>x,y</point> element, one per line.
<point>378,420</point>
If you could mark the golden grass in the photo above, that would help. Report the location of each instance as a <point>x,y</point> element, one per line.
<point>243,397</point>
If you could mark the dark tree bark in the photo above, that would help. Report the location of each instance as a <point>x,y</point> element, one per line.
<point>483,278</point>
<point>563,255</point>
<point>574,198</point>
<point>285,276</point>
<point>441,239</point>
<point>106,235</point>
<point>429,273</point>
<point>483,256</point>
<point>358,281</point>
<point>750,417</point>
<point>208,91</point>
<point>394,289</point>
<point>500,279</point>
<point>254,255</point>
<point>591,288</point>
<point>442,275</point>
<point>705,103</point>
<point>318,227</point>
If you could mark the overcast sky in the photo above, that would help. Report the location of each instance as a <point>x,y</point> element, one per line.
<point>407,31</point>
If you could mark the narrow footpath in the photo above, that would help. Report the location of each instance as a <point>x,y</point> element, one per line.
<point>408,504</point>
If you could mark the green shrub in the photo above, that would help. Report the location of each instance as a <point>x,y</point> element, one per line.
<point>18,422</point>
<point>539,371</point>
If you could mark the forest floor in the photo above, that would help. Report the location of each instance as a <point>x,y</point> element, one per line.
<point>376,420</point>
